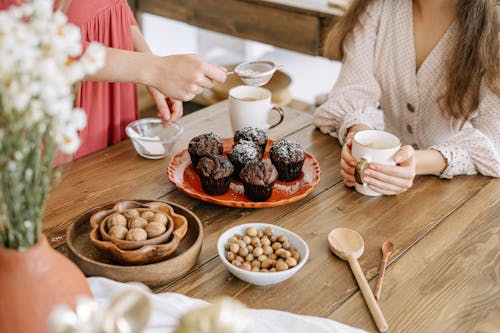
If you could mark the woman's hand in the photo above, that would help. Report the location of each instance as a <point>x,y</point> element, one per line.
<point>391,180</point>
<point>182,77</point>
<point>347,163</point>
<point>168,109</point>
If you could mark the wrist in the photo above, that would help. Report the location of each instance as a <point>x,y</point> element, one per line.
<point>356,128</point>
<point>149,74</point>
<point>430,161</point>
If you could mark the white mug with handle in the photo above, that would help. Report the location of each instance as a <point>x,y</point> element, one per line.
<point>372,146</point>
<point>251,106</point>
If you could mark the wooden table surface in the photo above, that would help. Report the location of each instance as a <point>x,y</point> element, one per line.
<point>298,25</point>
<point>443,277</point>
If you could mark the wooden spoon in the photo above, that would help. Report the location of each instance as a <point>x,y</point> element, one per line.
<point>348,245</point>
<point>387,248</point>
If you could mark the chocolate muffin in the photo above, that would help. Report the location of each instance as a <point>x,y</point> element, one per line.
<point>243,153</point>
<point>215,174</point>
<point>258,180</point>
<point>256,135</point>
<point>208,144</point>
<point>288,157</point>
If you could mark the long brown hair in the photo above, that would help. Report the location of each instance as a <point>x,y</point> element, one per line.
<point>475,53</point>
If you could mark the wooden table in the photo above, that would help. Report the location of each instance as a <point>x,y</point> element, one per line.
<point>298,25</point>
<point>443,277</point>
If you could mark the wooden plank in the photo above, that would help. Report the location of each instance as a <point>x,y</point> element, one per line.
<point>256,21</point>
<point>118,173</point>
<point>449,281</point>
<point>316,7</point>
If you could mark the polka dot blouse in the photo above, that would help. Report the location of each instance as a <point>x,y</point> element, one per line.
<point>378,86</point>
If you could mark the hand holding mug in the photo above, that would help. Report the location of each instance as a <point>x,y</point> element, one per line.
<point>391,180</point>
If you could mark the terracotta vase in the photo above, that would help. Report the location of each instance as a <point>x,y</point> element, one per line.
<point>33,283</point>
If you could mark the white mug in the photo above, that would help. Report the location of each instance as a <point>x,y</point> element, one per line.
<point>372,146</point>
<point>251,106</point>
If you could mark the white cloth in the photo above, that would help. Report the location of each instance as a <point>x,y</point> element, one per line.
<point>168,308</point>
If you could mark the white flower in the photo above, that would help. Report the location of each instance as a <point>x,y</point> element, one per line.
<point>79,119</point>
<point>39,63</point>
<point>94,58</point>
<point>69,141</point>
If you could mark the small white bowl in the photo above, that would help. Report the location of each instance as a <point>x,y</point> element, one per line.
<point>152,140</point>
<point>263,278</point>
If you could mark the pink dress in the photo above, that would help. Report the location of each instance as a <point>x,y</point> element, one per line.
<point>109,106</point>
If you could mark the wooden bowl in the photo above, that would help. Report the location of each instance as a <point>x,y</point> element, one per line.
<point>94,263</point>
<point>145,254</point>
<point>100,219</point>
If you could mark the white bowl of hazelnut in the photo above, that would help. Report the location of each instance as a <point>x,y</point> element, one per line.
<point>261,253</point>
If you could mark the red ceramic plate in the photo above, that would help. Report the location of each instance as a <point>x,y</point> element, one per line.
<point>181,173</point>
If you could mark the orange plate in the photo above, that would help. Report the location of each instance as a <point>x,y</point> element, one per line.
<point>181,173</point>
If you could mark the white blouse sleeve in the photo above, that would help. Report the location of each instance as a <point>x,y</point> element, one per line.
<point>355,96</point>
<point>476,148</point>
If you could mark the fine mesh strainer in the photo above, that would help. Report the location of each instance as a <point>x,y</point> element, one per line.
<point>255,73</point>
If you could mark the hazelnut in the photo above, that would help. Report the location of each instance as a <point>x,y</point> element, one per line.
<point>243,251</point>
<point>281,266</point>
<point>268,231</point>
<point>230,256</point>
<point>262,258</point>
<point>247,239</point>
<point>255,269</point>
<point>240,259</point>
<point>267,263</point>
<point>148,215</point>
<point>255,241</point>
<point>251,231</point>
<point>116,219</point>
<point>265,241</point>
<point>118,231</point>
<point>249,257</point>
<point>130,214</point>
<point>236,263</point>
<point>160,218</point>
<point>137,234</point>
<point>296,256</point>
<point>137,222</point>
<point>273,256</point>
<point>155,229</point>
<point>267,249</point>
<point>234,248</point>
<point>258,251</point>
<point>256,263</point>
<point>260,233</point>
<point>282,238</point>
<point>276,245</point>
<point>291,262</point>
<point>246,266</point>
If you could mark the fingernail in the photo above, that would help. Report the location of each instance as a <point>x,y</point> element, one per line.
<point>367,172</point>
<point>397,159</point>
<point>372,166</point>
<point>366,179</point>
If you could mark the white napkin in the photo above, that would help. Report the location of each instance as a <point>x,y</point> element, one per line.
<point>168,308</point>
